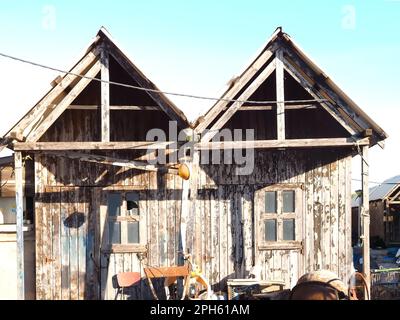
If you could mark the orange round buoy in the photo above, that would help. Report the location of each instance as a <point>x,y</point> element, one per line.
<point>183,171</point>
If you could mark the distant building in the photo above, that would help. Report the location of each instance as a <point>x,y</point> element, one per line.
<point>384,209</point>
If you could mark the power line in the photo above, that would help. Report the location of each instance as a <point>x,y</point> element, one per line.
<point>374,182</point>
<point>155,90</point>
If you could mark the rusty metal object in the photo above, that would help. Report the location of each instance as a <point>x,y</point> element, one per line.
<point>319,285</point>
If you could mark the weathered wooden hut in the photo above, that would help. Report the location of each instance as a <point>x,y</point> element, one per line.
<point>100,209</point>
<point>384,207</point>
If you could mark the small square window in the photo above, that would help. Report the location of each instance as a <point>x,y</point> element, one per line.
<point>288,229</point>
<point>288,201</point>
<point>270,202</point>
<point>270,230</point>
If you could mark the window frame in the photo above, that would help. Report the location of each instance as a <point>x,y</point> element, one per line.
<point>279,216</point>
<point>124,218</point>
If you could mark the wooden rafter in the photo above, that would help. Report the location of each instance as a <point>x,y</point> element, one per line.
<point>236,88</point>
<point>64,103</point>
<point>395,197</point>
<point>289,143</point>
<point>236,105</point>
<point>20,130</point>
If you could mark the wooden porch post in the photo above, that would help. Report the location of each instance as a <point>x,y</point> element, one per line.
<point>365,216</point>
<point>19,198</point>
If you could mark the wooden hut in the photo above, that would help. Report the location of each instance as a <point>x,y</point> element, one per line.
<point>384,207</point>
<point>100,208</point>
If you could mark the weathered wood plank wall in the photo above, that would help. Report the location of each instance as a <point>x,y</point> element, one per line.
<point>224,227</point>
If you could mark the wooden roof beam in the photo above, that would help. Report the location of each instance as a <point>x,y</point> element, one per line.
<point>89,145</point>
<point>288,143</point>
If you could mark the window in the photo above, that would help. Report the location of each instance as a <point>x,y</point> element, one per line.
<point>123,218</point>
<point>279,214</point>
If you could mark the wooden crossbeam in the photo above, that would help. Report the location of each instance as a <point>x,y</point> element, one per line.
<point>64,103</point>
<point>147,145</point>
<point>305,83</point>
<point>289,143</point>
<point>156,108</point>
<point>273,107</point>
<point>236,88</point>
<point>85,145</point>
<point>395,197</point>
<point>236,105</point>
<point>129,108</point>
<point>34,115</point>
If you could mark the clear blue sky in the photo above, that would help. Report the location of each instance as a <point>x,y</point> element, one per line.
<point>197,46</point>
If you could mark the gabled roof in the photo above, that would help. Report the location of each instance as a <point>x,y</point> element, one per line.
<point>385,189</point>
<point>379,192</point>
<point>340,105</point>
<point>35,115</point>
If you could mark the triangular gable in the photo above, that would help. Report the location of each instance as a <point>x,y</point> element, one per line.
<point>67,88</point>
<point>305,72</point>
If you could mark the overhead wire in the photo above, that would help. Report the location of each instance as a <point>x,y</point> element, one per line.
<point>36,64</point>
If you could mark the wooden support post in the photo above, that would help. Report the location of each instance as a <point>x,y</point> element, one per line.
<point>19,198</point>
<point>194,229</point>
<point>184,215</point>
<point>280,96</point>
<point>105,95</point>
<point>365,216</point>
